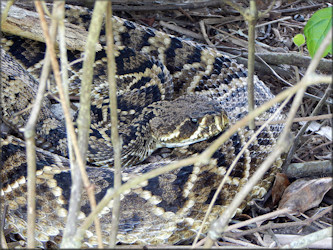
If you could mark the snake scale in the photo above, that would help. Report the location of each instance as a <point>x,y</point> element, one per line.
<point>172,93</point>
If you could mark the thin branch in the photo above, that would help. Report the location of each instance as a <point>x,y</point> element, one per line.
<point>315,79</point>
<point>251,15</point>
<point>218,226</point>
<point>304,241</point>
<point>116,144</point>
<point>299,119</point>
<point>4,13</point>
<point>262,66</point>
<point>242,243</point>
<point>315,61</point>
<point>46,10</point>
<point>76,188</point>
<point>257,219</point>
<point>273,21</point>
<point>259,67</point>
<point>84,119</point>
<point>65,106</point>
<point>273,71</point>
<point>29,135</point>
<point>186,14</point>
<point>3,240</point>
<point>294,59</point>
<point>251,18</point>
<point>204,33</point>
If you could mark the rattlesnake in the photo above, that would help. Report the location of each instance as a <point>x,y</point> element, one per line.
<point>171,93</point>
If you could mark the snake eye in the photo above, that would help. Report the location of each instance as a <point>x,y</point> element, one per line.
<point>194,120</point>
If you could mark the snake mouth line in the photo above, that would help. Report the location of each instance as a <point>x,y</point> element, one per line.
<point>209,126</point>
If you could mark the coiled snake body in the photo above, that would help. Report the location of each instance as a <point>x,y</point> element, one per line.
<point>171,93</point>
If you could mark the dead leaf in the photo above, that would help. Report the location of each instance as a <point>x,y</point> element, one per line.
<point>281,182</point>
<point>148,21</point>
<point>305,194</point>
<point>318,129</point>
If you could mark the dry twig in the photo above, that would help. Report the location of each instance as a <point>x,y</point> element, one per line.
<point>310,238</point>
<point>4,13</point>
<point>294,59</point>
<point>65,106</point>
<point>76,188</point>
<point>299,119</point>
<point>173,6</point>
<point>251,18</point>
<point>182,30</point>
<point>29,135</point>
<point>116,144</point>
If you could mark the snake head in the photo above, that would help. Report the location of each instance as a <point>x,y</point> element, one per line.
<point>186,120</point>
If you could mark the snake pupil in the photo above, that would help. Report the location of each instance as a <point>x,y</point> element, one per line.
<point>194,120</point>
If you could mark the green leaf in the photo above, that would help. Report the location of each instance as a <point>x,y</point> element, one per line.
<point>299,40</point>
<point>316,29</point>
